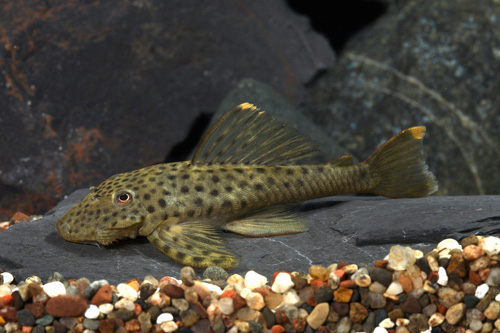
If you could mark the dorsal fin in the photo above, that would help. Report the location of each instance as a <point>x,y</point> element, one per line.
<point>245,135</point>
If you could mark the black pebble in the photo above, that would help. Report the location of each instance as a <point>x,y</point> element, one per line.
<point>25,318</point>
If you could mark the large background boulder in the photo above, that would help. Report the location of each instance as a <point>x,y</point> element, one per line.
<point>90,89</point>
<point>432,63</point>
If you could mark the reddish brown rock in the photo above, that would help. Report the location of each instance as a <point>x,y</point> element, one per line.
<point>172,290</point>
<point>132,325</point>
<point>66,306</point>
<point>37,309</point>
<point>409,304</point>
<point>103,295</point>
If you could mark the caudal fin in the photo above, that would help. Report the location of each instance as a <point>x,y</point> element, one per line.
<point>400,168</point>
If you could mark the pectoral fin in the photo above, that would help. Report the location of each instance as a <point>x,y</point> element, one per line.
<point>192,244</point>
<point>272,221</point>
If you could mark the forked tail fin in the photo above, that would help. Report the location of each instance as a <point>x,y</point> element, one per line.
<point>400,167</point>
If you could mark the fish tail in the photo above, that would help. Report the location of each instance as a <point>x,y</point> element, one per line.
<point>399,166</point>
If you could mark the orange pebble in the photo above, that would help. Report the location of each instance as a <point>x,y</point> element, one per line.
<point>441,309</point>
<point>483,273</point>
<point>316,284</point>
<point>347,284</point>
<point>228,294</point>
<point>277,329</point>
<point>340,273</point>
<point>474,278</point>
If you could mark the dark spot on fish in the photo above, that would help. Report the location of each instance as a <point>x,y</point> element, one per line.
<point>189,246</point>
<point>270,181</point>
<point>243,184</point>
<point>166,249</point>
<point>243,203</point>
<point>175,239</point>
<point>300,183</point>
<point>185,176</point>
<point>210,171</point>
<point>105,219</point>
<point>152,179</point>
<point>198,188</point>
<point>197,259</point>
<point>210,210</point>
<point>147,196</point>
<point>230,177</point>
<point>171,177</point>
<point>321,169</point>
<point>115,214</point>
<point>164,216</point>
<point>304,171</point>
<point>363,173</point>
<point>162,203</point>
<point>238,170</point>
<point>261,170</point>
<point>180,256</point>
<point>214,193</point>
<point>223,169</point>
<point>160,183</point>
<point>162,167</point>
<point>289,172</point>
<point>218,261</point>
<point>215,179</point>
<point>190,213</point>
<point>114,223</point>
<point>226,204</point>
<point>205,252</point>
<point>258,186</point>
<point>78,213</point>
<point>184,189</point>
<point>151,209</point>
<point>136,188</point>
<point>141,181</point>
<point>228,189</point>
<point>286,184</point>
<point>165,192</point>
<point>176,213</point>
<point>198,202</point>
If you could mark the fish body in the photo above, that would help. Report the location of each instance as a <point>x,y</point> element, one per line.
<point>239,180</point>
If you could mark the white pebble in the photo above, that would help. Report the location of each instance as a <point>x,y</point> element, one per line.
<point>213,287</point>
<point>379,329</point>
<point>92,312</point>
<point>443,277</point>
<point>402,322</point>
<point>491,245</point>
<point>226,305</point>
<point>7,277</point>
<point>125,303</point>
<point>53,289</point>
<point>386,323</point>
<point>254,280</point>
<point>449,244</point>
<point>291,297</point>
<point>164,317</point>
<point>127,292</point>
<point>5,290</point>
<point>395,288</point>
<point>481,290</point>
<point>401,257</point>
<point>282,283</point>
<point>169,326</point>
<point>106,308</point>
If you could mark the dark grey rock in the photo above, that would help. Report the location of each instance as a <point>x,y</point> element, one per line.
<point>431,63</point>
<point>101,88</point>
<point>25,318</point>
<point>350,228</point>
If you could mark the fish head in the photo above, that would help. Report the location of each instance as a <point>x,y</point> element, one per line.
<point>109,212</point>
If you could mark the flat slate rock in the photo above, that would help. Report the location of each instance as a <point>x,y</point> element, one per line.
<point>354,229</point>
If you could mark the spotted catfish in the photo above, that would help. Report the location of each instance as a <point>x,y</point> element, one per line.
<point>239,180</point>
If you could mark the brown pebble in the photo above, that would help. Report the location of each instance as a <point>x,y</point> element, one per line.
<point>395,314</point>
<point>19,217</point>
<point>107,325</point>
<point>66,306</point>
<point>409,304</point>
<point>455,313</point>
<point>103,295</point>
<point>37,309</point>
<point>200,310</point>
<point>357,312</point>
<point>132,325</point>
<point>172,290</point>
<point>456,266</point>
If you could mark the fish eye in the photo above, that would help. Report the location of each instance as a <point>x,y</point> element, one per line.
<point>123,199</point>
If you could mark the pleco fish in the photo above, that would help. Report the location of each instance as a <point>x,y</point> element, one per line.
<point>239,180</point>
